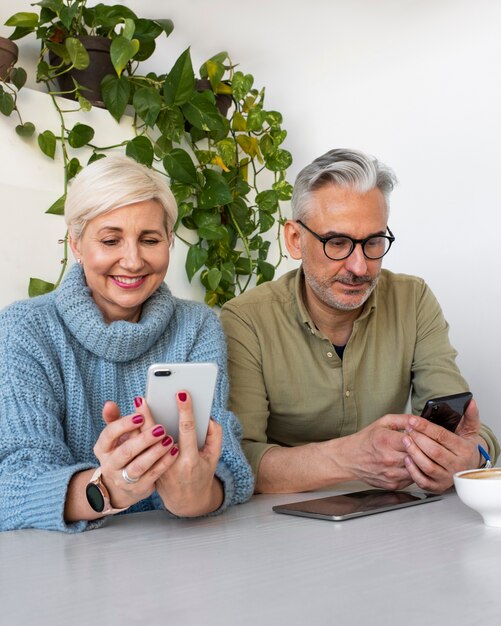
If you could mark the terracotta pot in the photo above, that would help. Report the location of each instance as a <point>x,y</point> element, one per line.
<point>100,66</point>
<point>8,56</point>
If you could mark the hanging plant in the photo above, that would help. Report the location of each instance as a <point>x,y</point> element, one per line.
<point>210,134</point>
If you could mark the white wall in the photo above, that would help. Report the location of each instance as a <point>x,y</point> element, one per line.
<point>415,82</point>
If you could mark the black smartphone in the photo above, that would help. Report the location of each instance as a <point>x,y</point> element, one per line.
<point>448,410</point>
<point>356,504</point>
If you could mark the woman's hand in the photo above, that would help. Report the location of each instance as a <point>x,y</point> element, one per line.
<point>129,448</point>
<point>188,487</point>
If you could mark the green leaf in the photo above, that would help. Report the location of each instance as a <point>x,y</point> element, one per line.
<point>18,77</point>
<point>279,161</point>
<point>80,135</point>
<point>122,51</point>
<point>170,123</point>
<point>179,166</point>
<point>266,272</point>
<point>79,57</point>
<point>147,103</point>
<point>195,259</point>
<point>166,25</point>
<point>47,143</point>
<point>216,191</point>
<point>201,111</point>
<point>96,156</point>
<point>67,15</point>
<point>140,149</point>
<point>204,217</point>
<point>180,82</point>
<point>19,33</point>
<point>58,207</point>
<point>266,221</point>
<point>38,287</point>
<point>7,103</point>
<point>227,149</point>
<point>267,200</point>
<point>255,119</point>
<point>211,233</point>
<point>214,278</point>
<point>23,20</point>
<point>128,28</point>
<point>115,92</point>
<point>85,105</point>
<point>243,266</point>
<point>72,168</point>
<point>180,191</point>
<point>25,130</point>
<point>241,85</point>
<point>218,59</point>
<point>162,146</point>
<point>283,189</point>
<point>274,119</point>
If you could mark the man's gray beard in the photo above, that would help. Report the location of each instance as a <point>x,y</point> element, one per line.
<point>325,295</point>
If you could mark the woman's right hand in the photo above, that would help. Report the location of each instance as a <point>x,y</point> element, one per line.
<point>142,450</point>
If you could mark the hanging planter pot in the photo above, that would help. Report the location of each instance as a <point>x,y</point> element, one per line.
<point>90,78</point>
<point>8,56</point>
<point>223,101</point>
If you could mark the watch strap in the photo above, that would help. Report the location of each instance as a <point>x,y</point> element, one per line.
<point>98,495</point>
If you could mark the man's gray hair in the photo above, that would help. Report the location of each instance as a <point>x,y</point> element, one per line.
<point>344,168</point>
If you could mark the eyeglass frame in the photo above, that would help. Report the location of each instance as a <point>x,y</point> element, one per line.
<point>362,242</point>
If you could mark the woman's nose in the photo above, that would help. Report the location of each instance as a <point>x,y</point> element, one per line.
<point>131,258</point>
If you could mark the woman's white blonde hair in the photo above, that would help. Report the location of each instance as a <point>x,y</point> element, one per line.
<point>111,183</point>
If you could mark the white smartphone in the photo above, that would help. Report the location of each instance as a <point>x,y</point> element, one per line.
<point>356,504</point>
<point>166,379</point>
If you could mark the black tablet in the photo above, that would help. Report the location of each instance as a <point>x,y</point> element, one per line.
<point>356,504</point>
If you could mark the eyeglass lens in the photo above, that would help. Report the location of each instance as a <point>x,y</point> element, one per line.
<point>338,248</point>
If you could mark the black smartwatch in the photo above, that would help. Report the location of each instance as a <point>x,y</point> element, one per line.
<point>98,496</point>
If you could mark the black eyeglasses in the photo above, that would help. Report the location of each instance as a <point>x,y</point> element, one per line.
<point>340,247</point>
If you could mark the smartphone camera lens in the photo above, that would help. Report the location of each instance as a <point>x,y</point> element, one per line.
<point>163,373</point>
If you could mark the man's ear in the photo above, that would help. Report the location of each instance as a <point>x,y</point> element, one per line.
<point>292,238</point>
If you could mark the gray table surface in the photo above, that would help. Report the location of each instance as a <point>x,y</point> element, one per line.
<point>430,564</point>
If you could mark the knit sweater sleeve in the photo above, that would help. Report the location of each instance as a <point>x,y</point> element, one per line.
<point>36,464</point>
<point>233,469</point>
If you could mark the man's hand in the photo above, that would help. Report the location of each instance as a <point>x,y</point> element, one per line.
<point>434,454</point>
<point>377,453</point>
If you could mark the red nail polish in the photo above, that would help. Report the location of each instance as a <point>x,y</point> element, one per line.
<point>182,396</point>
<point>174,451</point>
<point>137,419</point>
<point>166,441</point>
<point>158,431</point>
<point>137,402</point>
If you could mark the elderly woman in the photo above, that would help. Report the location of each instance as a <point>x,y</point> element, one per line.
<point>74,427</point>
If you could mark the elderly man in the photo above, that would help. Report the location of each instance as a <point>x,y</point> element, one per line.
<point>324,359</point>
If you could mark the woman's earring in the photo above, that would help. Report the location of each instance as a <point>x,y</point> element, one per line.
<point>79,261</point>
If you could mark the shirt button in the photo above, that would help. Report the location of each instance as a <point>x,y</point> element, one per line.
<point>330,355</point>
<point>347,393</point>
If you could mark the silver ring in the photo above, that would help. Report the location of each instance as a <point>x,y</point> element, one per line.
<point>127,478</point>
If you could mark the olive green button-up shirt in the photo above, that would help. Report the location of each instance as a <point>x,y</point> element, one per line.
<point>288,385</point>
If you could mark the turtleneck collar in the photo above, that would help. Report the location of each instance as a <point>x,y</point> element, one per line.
<point>119,341</point>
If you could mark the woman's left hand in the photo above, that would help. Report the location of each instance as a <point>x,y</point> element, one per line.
<point>189,487</point>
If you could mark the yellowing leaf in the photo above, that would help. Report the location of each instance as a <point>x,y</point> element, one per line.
<point>217,160</point>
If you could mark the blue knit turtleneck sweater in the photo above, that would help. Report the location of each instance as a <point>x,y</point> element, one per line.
<point>60,362</point>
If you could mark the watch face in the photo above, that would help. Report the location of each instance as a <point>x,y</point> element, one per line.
<point>95,497</point>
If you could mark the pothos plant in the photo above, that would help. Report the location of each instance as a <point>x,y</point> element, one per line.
<point>210,134</point>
